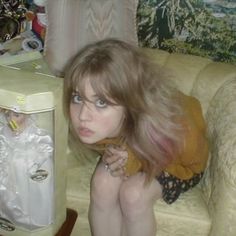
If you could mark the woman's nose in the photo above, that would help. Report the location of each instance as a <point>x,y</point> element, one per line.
<point>85,112</point>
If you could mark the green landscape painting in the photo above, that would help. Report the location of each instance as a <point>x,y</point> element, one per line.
<point>199,27</point>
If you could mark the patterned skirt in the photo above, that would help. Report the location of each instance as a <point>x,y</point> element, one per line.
<point>172,186</point>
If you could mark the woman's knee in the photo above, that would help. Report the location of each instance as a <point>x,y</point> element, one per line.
<point>136,198</point>
<point>103,188</point>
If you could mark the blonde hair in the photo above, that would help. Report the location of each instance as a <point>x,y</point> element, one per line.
<point>122,73</point>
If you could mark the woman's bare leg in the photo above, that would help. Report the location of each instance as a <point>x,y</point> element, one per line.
<point>104,212</point>
<point>137,202</point>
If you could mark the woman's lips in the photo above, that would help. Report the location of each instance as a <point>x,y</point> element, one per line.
<point>85,132</point>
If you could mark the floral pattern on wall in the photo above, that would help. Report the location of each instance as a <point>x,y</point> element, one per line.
<point>199,27</point>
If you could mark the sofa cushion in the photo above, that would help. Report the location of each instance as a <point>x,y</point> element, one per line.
<point>183,69</point>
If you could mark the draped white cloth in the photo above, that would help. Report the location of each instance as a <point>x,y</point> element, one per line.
<point>26,176</point>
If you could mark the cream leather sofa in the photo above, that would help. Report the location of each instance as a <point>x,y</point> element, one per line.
<point>210,208</point>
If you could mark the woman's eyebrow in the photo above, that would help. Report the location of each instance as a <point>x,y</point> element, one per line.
<point>74,91</point>
<point>95,96</point>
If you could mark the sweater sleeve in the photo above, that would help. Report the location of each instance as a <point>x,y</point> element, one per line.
<point>133,164</point>
<point>192,158</point>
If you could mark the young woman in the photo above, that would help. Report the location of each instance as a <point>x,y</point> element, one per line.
<point>151,136</point>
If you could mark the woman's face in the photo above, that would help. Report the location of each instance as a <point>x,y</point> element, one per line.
<point>94,120</point>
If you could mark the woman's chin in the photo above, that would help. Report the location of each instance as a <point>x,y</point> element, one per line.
<point>87,140</point>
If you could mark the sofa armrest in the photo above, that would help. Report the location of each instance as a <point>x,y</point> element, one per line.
<point>219,184</point>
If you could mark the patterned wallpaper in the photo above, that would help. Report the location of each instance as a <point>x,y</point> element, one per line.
<point>199,27</point>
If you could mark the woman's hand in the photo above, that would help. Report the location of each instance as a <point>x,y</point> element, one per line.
<point>115,158</point>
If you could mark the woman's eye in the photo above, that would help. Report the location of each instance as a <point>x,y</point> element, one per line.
<point>76,99</point>
<point>100,103</point>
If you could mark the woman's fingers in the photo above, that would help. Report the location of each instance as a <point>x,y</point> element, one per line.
<point>115,154</point>
<point>110,158</point>
<point>117,165</point>
<point>118,172</point>
<point>115,160</point>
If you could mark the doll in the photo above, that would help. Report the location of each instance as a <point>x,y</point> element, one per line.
<point>26,172</point>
